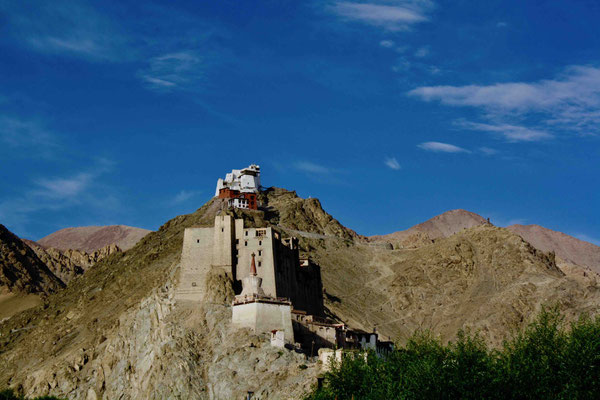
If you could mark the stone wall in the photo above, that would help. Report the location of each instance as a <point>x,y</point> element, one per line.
<point>229,246</point>
<point>196,261</point>
<point>264,317</point>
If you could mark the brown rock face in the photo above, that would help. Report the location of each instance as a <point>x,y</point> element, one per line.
<point>292,212</point>
<point>116,331</point>
<point>485,278</point>
<point>440,226</point>
<point>568,248</point>
<point>68,264</point>
<point>21,271</point>
<point>92,238</point>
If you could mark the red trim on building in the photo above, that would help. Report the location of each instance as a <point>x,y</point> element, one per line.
<point>227,193</point>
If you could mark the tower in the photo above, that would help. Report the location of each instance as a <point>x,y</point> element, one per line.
<point>262,314</point>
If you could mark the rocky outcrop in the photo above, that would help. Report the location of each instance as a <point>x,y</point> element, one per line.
<point>287,210</point>
<point>68,264</point>
<point>115,332</point>
<point>21,270</point>
<point>92,238</point>
<point>570,249</point>
<point>483,278</point>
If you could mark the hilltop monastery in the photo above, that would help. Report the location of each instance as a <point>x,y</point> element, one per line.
<point>277,292</point>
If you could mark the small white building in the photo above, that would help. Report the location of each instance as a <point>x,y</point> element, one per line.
<point>246,180</point>
<point>261,313</point>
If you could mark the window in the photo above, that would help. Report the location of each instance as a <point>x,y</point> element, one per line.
<point>197,240</point>
<point>260,242</point>
<point>246,243</point>
<point>194,284</point>
<point>260,252</point>
<point>222,229</point>
<point>246,233</point>
<point>259,263</point>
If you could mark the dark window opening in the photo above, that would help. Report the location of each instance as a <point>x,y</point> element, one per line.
<point>197,240</point>
<point>246,243</point>
<point>194,284</point>
<point>259,263</point>
<point>222,229</point>
<point>260,252</point>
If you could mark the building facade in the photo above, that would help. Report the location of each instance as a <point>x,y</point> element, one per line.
<point>240,187</point>
<point>228,247</point>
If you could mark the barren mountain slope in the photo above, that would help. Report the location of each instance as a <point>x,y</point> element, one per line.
<point>485,278</point>
<point>92,238</point>
<point>21,270</point>
<point>24,278</point>
<point>440,226</point>
<point>566,247</point>
<point>116,332</point>
<point>68,264</point>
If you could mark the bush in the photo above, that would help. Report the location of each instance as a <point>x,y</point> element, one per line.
<point>543,361</point>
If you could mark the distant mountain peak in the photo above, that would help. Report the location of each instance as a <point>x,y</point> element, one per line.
<point>442,225</point>
<point>567,247</point>
<point>92,238</point>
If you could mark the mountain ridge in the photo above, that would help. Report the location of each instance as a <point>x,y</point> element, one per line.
<point>110,334</point>
<point>92,238</point>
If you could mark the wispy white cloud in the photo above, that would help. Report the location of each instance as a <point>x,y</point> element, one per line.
<point>397,16</point>
<point>64,27</point>
<point>392,163</point>
<point>501,24</point>
<point>63,188</point>
<point>17,132</point>
<point>438,147</point>
<point>183,196</point>
<point>512,133</point>
<point>51,194</point>
<point>488,151</point>
<point>182,70</point>
<point>312,168</point>
<point>571,101</point>
<point>388,44</point>
<point>422,52</point>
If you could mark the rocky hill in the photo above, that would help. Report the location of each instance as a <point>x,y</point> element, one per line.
<point>568,248</point>
<point>68,264</point>
<point>93,238</point>
<point>440,226</point>
<point>21,271</point>
<point>24,279</point>
<point>116,331</point>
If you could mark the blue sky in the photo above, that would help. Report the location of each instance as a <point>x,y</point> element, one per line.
<point>390,112</point>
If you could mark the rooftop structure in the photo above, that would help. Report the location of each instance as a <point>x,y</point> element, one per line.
<point>240,186</point>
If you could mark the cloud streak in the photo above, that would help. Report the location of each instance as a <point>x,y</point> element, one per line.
<point>570,102</point>
<point>312,168</point>
<point>16,132</point>
<point>64,27</point>
<point>183,196</point>
<point>59,193</point>
<point>438,147</point>
<point>512,133</point>
<point>398,17</point>
<point>181,70</point>
<point>392,163</point>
